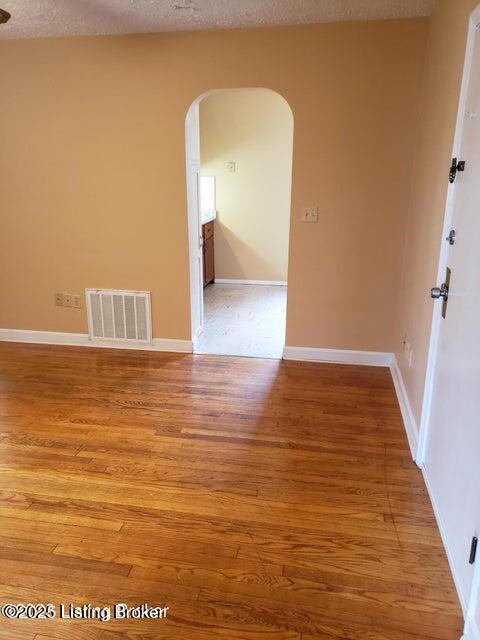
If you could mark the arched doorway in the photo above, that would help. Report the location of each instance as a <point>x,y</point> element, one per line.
<point>239,145</point>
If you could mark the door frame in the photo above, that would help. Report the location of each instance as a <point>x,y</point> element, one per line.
<point>193,205</point>
<point>425,420</point>
<point>195,258</point>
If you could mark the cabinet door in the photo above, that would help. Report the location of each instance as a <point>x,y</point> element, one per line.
<point>207,230</point>
<point>208,261</point>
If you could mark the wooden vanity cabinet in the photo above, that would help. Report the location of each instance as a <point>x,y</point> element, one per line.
<point>208,253</point>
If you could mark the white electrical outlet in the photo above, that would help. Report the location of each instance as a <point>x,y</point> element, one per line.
<point>67,299</point>
<point>309,214</point>
<point>232,166</point>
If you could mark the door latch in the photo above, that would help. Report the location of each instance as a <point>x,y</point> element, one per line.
<point>442,292</point>
<point>455,167</point>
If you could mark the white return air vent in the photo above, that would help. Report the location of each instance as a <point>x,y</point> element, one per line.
<point>119,315</point>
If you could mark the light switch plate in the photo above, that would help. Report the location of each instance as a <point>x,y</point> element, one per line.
<point>309,214</point>
<point>232,166</point>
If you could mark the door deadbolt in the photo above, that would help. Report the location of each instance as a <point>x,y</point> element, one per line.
<point>451,237</point>
<point>455,168</point>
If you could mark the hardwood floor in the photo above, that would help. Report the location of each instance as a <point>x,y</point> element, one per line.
<point>257,499</point>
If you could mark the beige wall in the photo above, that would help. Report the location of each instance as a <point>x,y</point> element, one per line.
<point>253,128</point>
<point>92,169</point>
<point>447,34</point>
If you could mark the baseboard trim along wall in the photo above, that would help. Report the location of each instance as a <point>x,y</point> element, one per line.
<point>339,356</point>
<point>275,283</point>
<point>472,630</point>
<point>445,546</point>
<point>409,421</point>
<point>82,340</point>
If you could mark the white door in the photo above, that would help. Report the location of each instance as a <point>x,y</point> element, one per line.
<point>192,149</point>
<point>452,457</point>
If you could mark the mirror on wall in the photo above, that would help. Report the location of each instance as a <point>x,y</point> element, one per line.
<point>207,197</point>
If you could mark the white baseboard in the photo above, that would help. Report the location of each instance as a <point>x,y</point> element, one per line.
<point>471,631</point>
<point>445,546</point>
<point>82,340</point>
<point>409,421</point>
<point>43,337</point>
<point>472,622</point>
<point>177,346</point>
<point>339,356</point>
<point>275,283</point>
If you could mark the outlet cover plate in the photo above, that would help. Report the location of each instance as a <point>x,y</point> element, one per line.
<point>309,214</point>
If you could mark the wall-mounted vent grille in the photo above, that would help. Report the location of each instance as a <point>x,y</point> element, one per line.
<point>119,315</point>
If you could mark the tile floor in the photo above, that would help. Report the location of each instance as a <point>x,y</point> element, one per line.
<point>243,320</point>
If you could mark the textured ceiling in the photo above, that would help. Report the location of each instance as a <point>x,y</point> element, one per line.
<point>40,18</point>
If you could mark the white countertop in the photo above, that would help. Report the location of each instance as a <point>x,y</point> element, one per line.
<point>208,216</point>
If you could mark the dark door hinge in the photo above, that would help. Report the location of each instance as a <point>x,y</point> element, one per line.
<point>455,167</point>
<point>473,550</point>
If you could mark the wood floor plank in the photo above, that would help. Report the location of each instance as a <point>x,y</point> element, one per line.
<point>6,634</point>
<point>257,499</point>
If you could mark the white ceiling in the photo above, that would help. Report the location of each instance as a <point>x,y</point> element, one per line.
<point>41,18</point>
